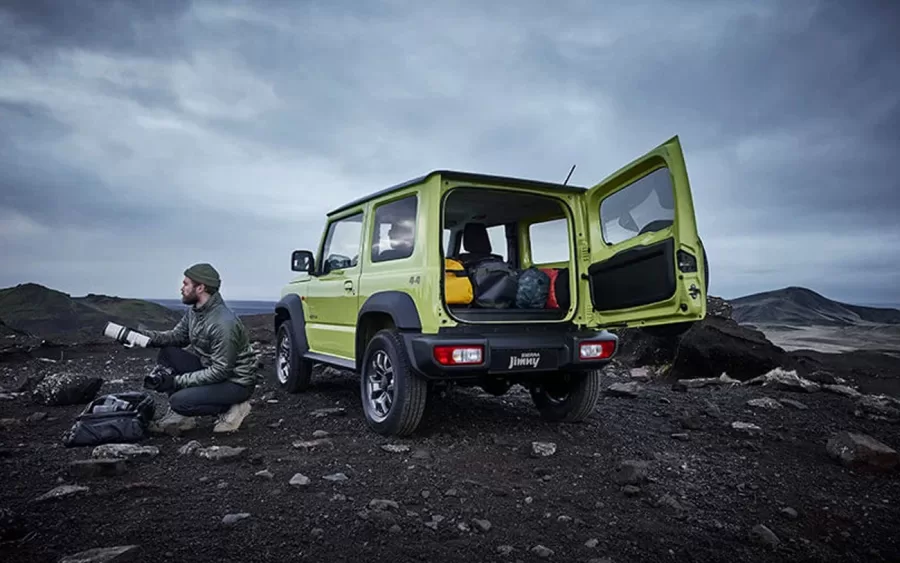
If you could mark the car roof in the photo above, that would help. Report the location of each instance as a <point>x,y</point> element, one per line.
<point>463,177</point>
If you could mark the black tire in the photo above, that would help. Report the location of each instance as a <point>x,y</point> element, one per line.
<point>567,396</point>
<point>293,372</point>
<point>386,359</point>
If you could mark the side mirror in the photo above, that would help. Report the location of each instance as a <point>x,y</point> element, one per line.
<point>303,261</point>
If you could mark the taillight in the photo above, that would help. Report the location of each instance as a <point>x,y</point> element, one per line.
<point>458,355</point>
<point>597,350</point>
<point>686,262</point>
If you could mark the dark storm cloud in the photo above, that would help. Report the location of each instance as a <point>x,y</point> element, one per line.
<point>166,132</point>
<point>144,28</point>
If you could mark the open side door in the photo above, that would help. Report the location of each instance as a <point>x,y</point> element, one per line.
<point>645,263</point>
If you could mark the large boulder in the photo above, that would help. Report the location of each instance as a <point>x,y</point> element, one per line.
<point>713,346</point>
<point>67,389</point>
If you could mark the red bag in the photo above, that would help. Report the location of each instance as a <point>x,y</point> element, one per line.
<point>551,298</point>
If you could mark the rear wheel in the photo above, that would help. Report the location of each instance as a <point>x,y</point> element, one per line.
<point>393,396</point>
<point>293,372</point>
<point>567,396</point>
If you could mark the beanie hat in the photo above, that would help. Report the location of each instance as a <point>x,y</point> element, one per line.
<point>205,274</point>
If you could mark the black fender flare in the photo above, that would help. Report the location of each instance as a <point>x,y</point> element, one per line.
<point>398,305</point>
<point>291,307</point>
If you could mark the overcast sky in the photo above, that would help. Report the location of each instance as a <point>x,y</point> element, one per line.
<point>166,133</point>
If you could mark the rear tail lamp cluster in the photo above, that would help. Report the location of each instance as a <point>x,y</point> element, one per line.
<point>596,350</point>
<point>458,355</point>
<point>686,262</point>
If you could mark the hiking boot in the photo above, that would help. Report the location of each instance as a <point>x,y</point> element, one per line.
<point>172,424</point>
<point>231,420</point>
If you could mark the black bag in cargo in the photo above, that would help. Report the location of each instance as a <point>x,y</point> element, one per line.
<point>495,284</point>
<point>115,418</point>
<point>533,289</point>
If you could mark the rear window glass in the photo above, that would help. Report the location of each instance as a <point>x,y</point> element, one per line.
<point>644,206</point>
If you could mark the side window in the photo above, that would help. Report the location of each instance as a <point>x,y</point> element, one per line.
<point>549,241</point>
<point>446,242</point>
<point>341,248</point>
<point>644,206</point>
<point>395,230</point>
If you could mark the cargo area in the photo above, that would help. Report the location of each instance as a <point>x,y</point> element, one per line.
<point>506,255</point>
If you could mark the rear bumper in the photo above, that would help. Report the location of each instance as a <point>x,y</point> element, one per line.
<point>508,354</point>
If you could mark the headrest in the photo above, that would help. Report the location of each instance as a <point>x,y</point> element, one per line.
<point>476,239</point>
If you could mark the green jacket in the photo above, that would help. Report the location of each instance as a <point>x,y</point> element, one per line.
<point>218,337</point>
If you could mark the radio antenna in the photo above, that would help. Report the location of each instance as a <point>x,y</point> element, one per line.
<point>570,175</point>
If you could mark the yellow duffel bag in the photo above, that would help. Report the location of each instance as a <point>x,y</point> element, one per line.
<point>457,285</point>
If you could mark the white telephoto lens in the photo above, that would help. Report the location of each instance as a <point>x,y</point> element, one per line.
<point>137,339</point>
<point>113,330</point>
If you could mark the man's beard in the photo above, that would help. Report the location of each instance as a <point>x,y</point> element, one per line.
<point>189,299</point>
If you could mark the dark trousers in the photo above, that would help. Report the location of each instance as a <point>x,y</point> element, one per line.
<point>201,400</point>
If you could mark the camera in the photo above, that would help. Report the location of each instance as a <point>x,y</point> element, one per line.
<point>125,336</point>
<point>158,377</point>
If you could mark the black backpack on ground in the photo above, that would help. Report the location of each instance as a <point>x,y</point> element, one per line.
<point>115,418</point>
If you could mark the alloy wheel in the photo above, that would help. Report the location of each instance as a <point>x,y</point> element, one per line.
<point>379,386</point>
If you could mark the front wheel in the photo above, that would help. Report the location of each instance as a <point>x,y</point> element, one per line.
<point>393,396</point>
<point>293,372</point>
<point>567,396</point>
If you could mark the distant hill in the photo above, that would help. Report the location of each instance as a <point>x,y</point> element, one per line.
<point>49,313</point>
<point>804,307</point>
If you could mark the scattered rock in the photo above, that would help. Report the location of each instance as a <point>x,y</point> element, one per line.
<point>712,410</point>
<point>124,451</point>
<point>682,436</point>
<point>308,445</point>
<point>878,406</point>
<point>66,389</point>
<point>317,532</point>
<point>763,535</point>
<point>631,472</point>
<point>785,381</point>
<point>764,403</point>
<point>63,491</point>
<point>505,549</point>
<point>746,428</point>
<point>793,404</point>
<point>822,377</point>
<point>299,480</point>
<point>640,374</point>
<point>100,554</point>
<point>333,411</point>
<point>542,551</point>
<point>8,423</point>
<point>842,390</point>
<point>335,477</point>
<point>631,490</point>
<point>265,474</point>
<point>36,417</point>
<point>320,434</point>
<point>630,389</point>
<point>395,448</point>
<point>421,454</point>
<point>222,453</point>
<point>276,424</point>
<point>592,543</point>
<point>857,450</point>
<point>698,382</point>
<point>670,502</point>
<point>482,525</point>
<point>190,448</point>
<point>232,519</point>
<point>543,449</point>
<point>383,504</point>
<point>789,512</point>
<point>97,467</point>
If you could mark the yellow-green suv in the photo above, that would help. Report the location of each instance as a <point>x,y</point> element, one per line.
<point>475,280</point>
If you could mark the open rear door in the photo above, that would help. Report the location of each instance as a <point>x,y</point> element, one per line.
<point>645,263</point>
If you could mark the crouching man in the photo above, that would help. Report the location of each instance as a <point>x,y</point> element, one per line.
<point>206,364</point>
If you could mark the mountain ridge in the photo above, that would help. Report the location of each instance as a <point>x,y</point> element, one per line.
<point>795,305</point>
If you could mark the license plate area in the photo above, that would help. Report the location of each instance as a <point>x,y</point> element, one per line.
<point>524,359</point>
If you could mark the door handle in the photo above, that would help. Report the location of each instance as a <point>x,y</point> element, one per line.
<point>348,285</point>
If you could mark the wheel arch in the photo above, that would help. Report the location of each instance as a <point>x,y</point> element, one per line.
<point>385,309</point>
<point>290,309</point>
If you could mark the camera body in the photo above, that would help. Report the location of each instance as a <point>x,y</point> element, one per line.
<point>125,336</point>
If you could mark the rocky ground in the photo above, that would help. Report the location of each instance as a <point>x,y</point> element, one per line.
<point>698,471</point>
